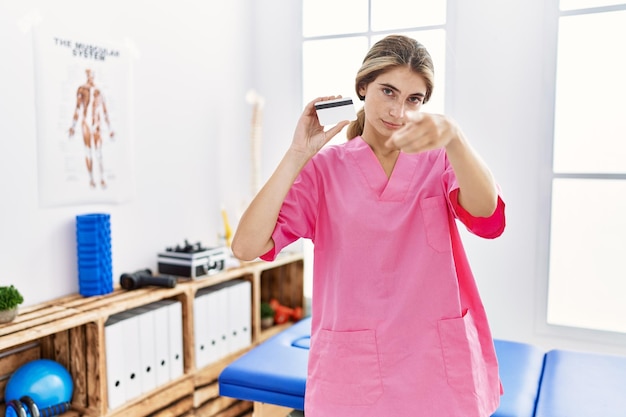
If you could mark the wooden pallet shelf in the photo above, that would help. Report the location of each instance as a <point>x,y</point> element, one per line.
<point>70,330</point>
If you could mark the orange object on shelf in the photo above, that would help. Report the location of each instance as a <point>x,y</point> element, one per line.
<point>282,314</point>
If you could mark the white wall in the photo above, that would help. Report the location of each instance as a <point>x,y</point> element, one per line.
<point>277,74</point>
<point>498,89</point>
<point>191,126</point>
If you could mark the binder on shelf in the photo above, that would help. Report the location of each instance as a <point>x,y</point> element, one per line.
<point>215,324</point>
<point>245,314</point>
<point>231,315</point>
<point>176,339</point>
<point>132,354</point>
<point>219,317</point>
<point>147,347</point>
<point>114,352</point>
<point>174,326</point>
<point>162,347</point>
<point>201,331</point>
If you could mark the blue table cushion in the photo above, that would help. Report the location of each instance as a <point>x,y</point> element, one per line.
<point>303,343</point>
<point>521,367</point>
<point>577,384</point>
<point>274,372</point>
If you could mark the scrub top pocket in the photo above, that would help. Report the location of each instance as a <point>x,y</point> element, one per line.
<point>462,354</point>
<point>435,215</point>
<point>346,366</point>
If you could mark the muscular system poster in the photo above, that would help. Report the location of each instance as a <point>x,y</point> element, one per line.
<point>83,99</point>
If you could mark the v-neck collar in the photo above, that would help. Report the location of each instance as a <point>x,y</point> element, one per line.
<point>393,188</point>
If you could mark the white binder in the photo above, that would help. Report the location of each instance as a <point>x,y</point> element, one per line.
<point>245,314</point>
<point>114,352</point>
<point>212,325</point>
<point>162,347</point>
<point>132,354</point>
<point>231,316</point>
<point>175,329</point>
<point>219,317</point>
<point>201,332</point>
<point>147,347</point>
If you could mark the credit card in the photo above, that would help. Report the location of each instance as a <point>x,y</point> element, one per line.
<point>331,112</point>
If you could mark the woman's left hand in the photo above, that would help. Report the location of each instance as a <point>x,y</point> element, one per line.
<point>422,132</point>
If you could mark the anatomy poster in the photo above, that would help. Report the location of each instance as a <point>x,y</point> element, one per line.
<point>83,115</point>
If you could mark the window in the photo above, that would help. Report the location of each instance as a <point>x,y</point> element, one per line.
<point>338,34</point>
<point>587,279</point>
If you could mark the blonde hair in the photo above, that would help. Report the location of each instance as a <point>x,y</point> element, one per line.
<point>391,52</point>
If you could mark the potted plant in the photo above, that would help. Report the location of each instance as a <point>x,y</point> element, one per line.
<point>10,298</point>
<point>267,315</point>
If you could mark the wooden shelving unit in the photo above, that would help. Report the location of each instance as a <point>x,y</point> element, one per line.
<point>70,330</point>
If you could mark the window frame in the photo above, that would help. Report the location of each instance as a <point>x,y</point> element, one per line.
<point>553,14</point>
<point>447,27</point>
<point>370,34</point>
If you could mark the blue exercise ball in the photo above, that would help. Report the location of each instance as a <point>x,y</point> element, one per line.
<point>47,382</point>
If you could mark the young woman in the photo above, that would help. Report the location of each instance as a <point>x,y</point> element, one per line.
<point>398,327</point>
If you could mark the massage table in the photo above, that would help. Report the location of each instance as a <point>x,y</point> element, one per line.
<point>578,384</point>
<point>273,374</point>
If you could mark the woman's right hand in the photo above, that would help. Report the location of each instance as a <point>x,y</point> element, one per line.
<point>309,136</point>
<point>253,236</point>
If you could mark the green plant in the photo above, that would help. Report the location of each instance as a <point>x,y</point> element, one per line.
<point>266,310</point>
<point>10,298</point>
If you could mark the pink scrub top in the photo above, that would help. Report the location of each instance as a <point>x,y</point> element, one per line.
<point>398,327</point>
